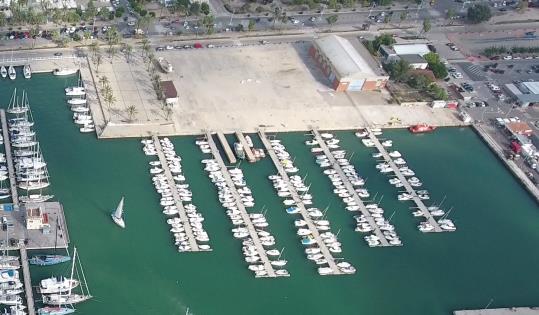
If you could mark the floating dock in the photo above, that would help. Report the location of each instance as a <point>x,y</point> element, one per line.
<point>501,311</point>
<point>27,280</point>
<point>295,196</point>
<point>350,188</point>
<point>9,159</point>
<point>248,152</point>
<point>177,200</point>
<point>245,216</point>
<point>409,189</point>
<point>226,147</point>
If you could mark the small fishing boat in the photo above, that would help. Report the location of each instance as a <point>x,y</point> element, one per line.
<point>117,215</point>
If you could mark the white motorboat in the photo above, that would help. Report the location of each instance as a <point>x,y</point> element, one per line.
<point>87,128</point>
<point>64,71</point>
<point>80,109</point>
<point>75,91</point>
<point>12,73</point>
<point>77,101</point>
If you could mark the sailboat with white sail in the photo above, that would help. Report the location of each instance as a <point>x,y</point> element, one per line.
<point>12,73</point>
<point>70,297</point>
<point>3,71</point>
<point>27,71</point>
<point>117,215</point>
<point>14,106</point>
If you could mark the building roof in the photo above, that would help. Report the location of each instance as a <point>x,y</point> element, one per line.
<point>344,57</point>
<point>411,49</point>
<point>413,59</point>
<point>526,92</point>
<point>169,89</point>
<point>519,128</point>
<point>33,212</point>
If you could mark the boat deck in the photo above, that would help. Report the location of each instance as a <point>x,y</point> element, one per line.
<point>245,216</point>
<point>27,280</point>
<point>501,311</point>
<point>248,152</point>
<point>177,200</point>
<point>409,189</point>
<point>226,147</point>
<point>9,159</point>
<point>299,203</point>
<point>350,188</point>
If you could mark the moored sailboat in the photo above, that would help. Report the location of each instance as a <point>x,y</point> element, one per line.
<point>12,73</point>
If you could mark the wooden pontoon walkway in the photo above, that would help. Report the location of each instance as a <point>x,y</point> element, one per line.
<point>177,199</point>
<point>409,189</point>
<point>9,159</point>
<point>335,165</point>
<point>299,203</point>
<point>244,215</point>
<point>226,147</point>
<point>248,152</point>
<point>27,280</point>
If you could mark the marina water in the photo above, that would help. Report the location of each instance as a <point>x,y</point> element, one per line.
<point>492,255</point>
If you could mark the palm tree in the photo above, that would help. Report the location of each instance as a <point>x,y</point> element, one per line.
<point>112,52</point>
<point>131,112</point>
<point>110,100</point>
<point>104,81</point>
<point>128,52</point>
<point>98,60</point>
<point>94,49</point>
<point>276,15</point>
<point>106,91</point>
<point>145,46</point>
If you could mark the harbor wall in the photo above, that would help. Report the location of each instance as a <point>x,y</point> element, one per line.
<point>513,167</point>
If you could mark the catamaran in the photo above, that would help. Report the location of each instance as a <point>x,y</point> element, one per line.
<point>117,215</point>
<point>3,72</point>
<point>12,73</point>
<point>27,72</point>
<point>70,298</point>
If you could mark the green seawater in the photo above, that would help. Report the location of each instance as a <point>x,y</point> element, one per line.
<point>492,255</point>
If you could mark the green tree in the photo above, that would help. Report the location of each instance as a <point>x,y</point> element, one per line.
<point>432,57</point>
<point>3,19</point>
<point>450,15</point>
<point>98,60</point>
<point>128,52</point>
<point>277,11</point>
<point>332,19</point>
<point>251,26</point>
<point>145,46</point>
<point>194,8</point>
<point>426,25</point>
<point>439,70</point>
<point>208,21</point>
<point>109,99</point>
<point>332,4</point>
<point>112,37</point>
<point>522,6</point>
<point>437,92</point>
<point>418,81</point>
<point>103,81</point>
<point>479,13</point>
<point>403,16</point>
<point>205,8</point>
<point>397,70</point>
<point>91,11</point>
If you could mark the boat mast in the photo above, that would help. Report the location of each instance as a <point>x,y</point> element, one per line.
<point>84,280</point>
<point>72,270</point>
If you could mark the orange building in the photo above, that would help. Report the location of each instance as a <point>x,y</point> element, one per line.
<point>343,65</point>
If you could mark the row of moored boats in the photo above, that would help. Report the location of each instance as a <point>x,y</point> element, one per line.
<point>12,73</point>
<point>30,166</point>
<point>321,245</point>
<point>250,227</point>
<point>77,102</point>
<point>372,219</point>
<point>171,191</point>
<point>386,167</point>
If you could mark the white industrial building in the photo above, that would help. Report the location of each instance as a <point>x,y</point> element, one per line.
<point>344,66</point>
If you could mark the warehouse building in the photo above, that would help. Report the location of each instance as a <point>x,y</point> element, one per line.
<point>525,93</point>
<point>344,66</point>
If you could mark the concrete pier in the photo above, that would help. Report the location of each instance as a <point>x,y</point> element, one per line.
<point>335,165</point>
<point>409,189</point>
<point>501,311</point>
<point>299,203</point>
<point>177,200</point>
<point>9,159</point>
<point>27,280</point>
<point>244,215</point>
<point>248,152</point>
<point>226,147</point>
